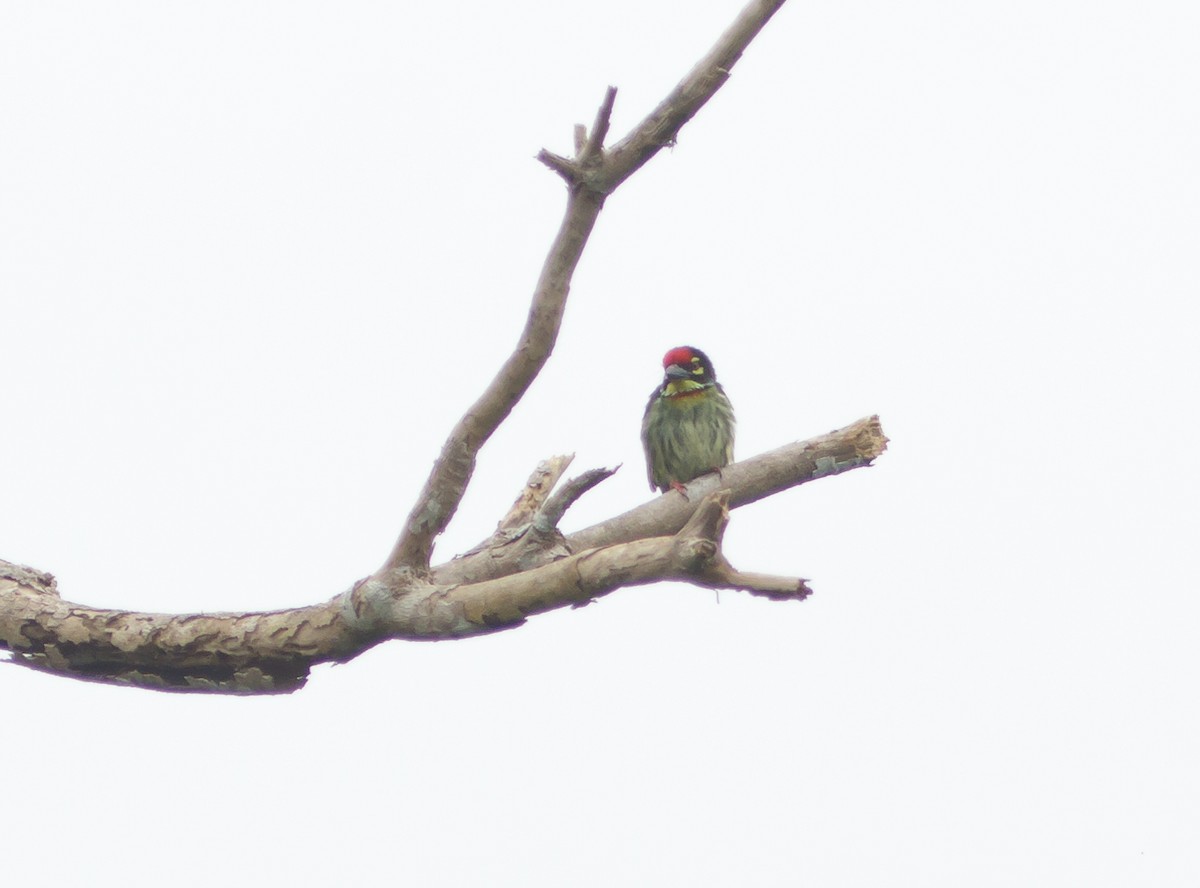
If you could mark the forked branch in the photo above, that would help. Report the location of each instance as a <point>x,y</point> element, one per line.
<point>522,571</point>
<point>593,174</point>
<point>527,566</point>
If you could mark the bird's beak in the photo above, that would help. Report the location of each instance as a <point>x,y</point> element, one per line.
<point>677,372</point>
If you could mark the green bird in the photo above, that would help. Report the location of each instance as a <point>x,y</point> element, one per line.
<point>687,430</point>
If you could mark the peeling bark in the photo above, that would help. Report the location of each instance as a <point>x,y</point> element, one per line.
<point>257,652</point>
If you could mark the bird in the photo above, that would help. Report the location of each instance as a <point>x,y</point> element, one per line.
<point>688,426</point>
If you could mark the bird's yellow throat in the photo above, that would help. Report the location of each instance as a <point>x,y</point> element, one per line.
<point>677,387</point>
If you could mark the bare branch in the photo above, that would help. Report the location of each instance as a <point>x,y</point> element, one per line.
<point>561,165</point>
<point>447,483</point>
<point>855,446</point>
<point>581,578</point>
<point>528,505</point>
<point>601,173</point>
<point>520,574</point>
<point>692,555</point>
<point>725,576</point>
<point>852,447</point>
<point>594,147</point>
<point>662,125</point>
<point>589,150</point>
<point>551,513</point>
<point>532,498</point>
<point>706,529</point>
<point>265,652</point>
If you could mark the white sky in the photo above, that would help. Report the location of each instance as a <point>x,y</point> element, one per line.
<point>256,258</point>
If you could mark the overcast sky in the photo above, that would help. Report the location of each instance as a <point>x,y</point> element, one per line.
<point>256,258</point>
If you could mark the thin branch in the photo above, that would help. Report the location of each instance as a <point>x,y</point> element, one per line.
<point>564,166</point>
<point>706,530</point>
<point>662,125</point>
<point>566,496</point>
<point>589,150</point>
<point>723,575</point>
<point>594,147</point>
<point>447,483</point>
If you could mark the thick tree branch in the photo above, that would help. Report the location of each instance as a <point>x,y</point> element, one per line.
<point>522,572</point>
<point>854,446</point>
<point>249,653</point>
<point>753,479</point>
<point>693,554</point>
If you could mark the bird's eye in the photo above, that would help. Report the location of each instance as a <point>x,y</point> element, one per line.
<point>697,368</point>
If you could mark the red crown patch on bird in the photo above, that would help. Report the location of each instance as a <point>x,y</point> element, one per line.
<point>681,355</point>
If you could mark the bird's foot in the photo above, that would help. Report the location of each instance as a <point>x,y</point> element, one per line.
<point>675,485</point>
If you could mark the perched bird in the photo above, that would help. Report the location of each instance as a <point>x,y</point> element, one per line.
<point>688,426</point>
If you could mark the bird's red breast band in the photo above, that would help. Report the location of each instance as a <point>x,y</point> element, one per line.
<point>681,356</point>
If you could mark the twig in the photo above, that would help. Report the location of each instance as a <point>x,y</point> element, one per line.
<point>724,576</point>
<point>594,147</point>
<point>552,512</point>
<point>704,533</point>
<point>565,167</point>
